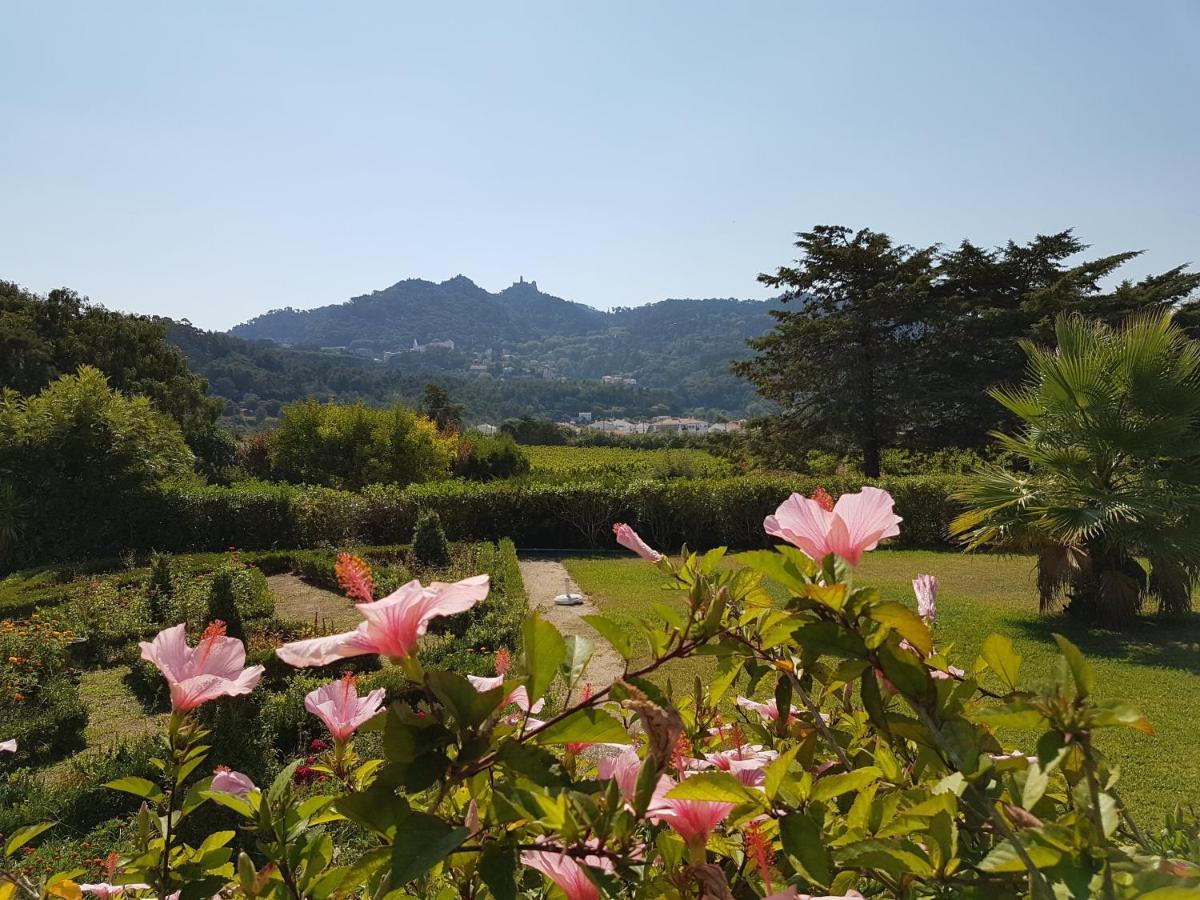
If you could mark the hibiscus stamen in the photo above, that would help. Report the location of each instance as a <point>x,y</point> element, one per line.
<point>503,661</point>
<point>215,630</point>
<point>823,499</point>
<point>349,686</point>
<point>355,577</point>
<point>759,849</point>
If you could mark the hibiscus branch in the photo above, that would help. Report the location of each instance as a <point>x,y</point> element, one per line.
<point>807,701</point>
<point>600,696</point>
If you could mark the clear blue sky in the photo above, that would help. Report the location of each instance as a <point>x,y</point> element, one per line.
<point>213,160</point>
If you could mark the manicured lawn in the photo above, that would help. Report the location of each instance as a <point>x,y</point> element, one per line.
<point>1157,668</point>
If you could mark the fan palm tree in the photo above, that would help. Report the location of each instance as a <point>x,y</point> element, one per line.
<point>1110,446</point>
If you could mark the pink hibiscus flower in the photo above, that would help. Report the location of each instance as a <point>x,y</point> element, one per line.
<point>692,820</point>
<point>747,763</point>
<point>227,781</point>
<point>338,705</point>
<point>564,871</point>
<point>926,588</point>
<point>623,768</point>
<point>769,710</point>
<point>630,540</point>
<point>9,746</point>
<point>519,696</point>
<point>856,524</point>
<point>392,625</point>
<point>104,890</point>
<point>215,667</point>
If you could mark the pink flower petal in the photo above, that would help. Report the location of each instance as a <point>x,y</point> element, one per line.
<point>869,518</point>
<point>802,523</point>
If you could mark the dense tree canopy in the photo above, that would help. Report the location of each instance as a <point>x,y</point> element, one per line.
<point>76,452</point>
<point>43,338</point>
<point>352,445</point>
<point>893,346</point>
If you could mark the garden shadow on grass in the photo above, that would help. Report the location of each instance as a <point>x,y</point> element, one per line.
<point>1162,643</point>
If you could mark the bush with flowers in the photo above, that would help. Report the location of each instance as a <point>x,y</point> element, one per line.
<point>39,698</point>
<point>868,766</point>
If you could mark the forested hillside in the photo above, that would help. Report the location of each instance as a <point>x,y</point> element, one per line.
<point>684,346</point>
<point>257,378</point>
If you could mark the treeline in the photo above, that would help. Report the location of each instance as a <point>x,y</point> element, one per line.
<point>45,338</point>
<point>889,345</point>
<point>255,379</point>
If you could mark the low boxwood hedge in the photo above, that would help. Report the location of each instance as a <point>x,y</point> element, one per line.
<point>700,512</point>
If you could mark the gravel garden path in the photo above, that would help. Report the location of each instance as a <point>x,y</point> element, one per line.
<point>545,578</point>
<point>298,601</point>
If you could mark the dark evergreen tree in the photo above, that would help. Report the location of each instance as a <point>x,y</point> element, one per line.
<point>886,345</point>
<point>838,362</point>
<point>437,406</point>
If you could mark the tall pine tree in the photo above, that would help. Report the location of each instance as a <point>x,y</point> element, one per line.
<point>893,346</point>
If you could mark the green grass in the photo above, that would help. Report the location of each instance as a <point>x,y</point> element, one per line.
<point>603,463</point>
<point>1156,667</point>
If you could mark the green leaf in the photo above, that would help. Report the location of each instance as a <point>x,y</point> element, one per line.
<point>1036,782</point>
<point>230,801</point>
<point>23,836</point>
<point>804,845</point>
<point>1002,658</point>
<point>364,869</point>
<point>1012,716</point>
<point>1114,713</point>
<point>714,786</point>
<point>579,651</point>
<point>830,639</point>
<point>498,869</point>
<point>832,786</point>
<point>905,622</point>
<point>545,650</point>
<point>376,808</point>
<point>906,672</point>
<point>139,787</point>
<point>1081,672</point>
<point>538,765</point>
<point>900,859</point>
<point>777,770</point>
<point>422,841</point>
<point>615,634</point>
<point>776,567</point>
<point>1051,749</point>
<point>1004,858</point>
<point>281,787</point>
<point>586,726</point>
<point>215,840</point>
<point>469,707</point>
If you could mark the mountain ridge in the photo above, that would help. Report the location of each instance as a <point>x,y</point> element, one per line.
<point>522,304</point>
<point>455,327</point>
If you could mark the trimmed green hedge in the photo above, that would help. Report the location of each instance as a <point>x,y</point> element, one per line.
<point>702,512</point>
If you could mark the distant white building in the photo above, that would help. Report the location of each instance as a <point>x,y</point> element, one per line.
<point>618,379</point>
<point>618,426</point>
<point>723,427</point>
<point>421,348</point>
<point>487,429</point>
<point>678,425</point>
